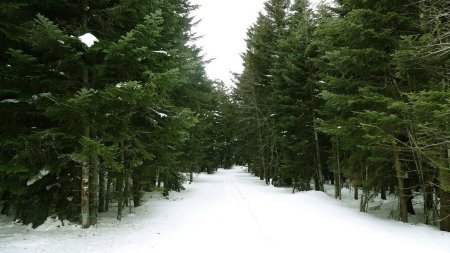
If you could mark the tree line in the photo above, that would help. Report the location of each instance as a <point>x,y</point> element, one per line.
<point>357,90</point>
<point>86,125</point>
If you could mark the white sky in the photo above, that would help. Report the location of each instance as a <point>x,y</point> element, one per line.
<point>224,25</point>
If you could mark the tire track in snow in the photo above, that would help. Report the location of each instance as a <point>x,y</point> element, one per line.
<point>243,198</point>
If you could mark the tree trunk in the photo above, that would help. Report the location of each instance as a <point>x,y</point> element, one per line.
<point>102,191</point>
<point>136,189</point>
<point>355,196</point>
<point>109,187</point>
<point>364,204</point>
<point>383,192</point>
<point>85,220</point>
<point>338,184</point>
<point>337,187</point>
<point>391,189</point>
<point>120,183</point>
<point>409,196</point>
<point>428,204</point>
<point>444,188</point>
<point>94,185</point>
<point>129,191</point>
<point>93,181</point>
<point>318,181</point>
<point>158,178</point>
<point>262,168</point>
<point>120,196</point>
<point>401,187</point>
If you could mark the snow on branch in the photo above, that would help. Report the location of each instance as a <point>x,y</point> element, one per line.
<point>88,39</point>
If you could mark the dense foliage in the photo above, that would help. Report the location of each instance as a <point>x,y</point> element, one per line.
<point>358,92</point>
<point>129,113</point>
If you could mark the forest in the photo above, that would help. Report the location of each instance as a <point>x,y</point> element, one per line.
<point>353,93</point>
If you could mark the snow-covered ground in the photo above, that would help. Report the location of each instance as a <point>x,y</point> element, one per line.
<point>231,211</point>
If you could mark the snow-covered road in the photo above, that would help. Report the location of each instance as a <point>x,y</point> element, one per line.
<point>232,211</point>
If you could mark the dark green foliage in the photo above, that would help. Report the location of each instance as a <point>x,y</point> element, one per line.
<point>358,91</point>
<point>134,107</point>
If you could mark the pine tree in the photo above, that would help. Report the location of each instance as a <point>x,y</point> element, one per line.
<point>255,86</point>
<point>122,111</point>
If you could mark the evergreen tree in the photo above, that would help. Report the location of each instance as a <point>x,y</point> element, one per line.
<point>255,87</point>
<point>121,112</point>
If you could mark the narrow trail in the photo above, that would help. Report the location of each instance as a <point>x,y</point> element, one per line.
<point>232,211</point>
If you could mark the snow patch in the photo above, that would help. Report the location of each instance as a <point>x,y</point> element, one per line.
<point>88,39</point>
<point>10,101</point>
<point>42,173</point>
<point>162,115</point>
<point>161,52</point>
<point>41,95</point>
<point>51,224</point>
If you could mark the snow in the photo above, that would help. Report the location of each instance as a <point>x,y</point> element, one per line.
<point>88,39</point>
<point>122,85</point>
<point>51,224</point>
<point>161,52</point>
<point>10,101</point>
<point>41,95</point>
<point>230,211</point>
<point>42,173</point>
<point>162,115</point>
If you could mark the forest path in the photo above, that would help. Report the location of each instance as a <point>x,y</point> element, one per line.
<point>232,211</point>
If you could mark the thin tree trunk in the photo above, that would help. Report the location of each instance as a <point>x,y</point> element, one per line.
<point>401,187</point>
<point>318,182</point>
<point>93,182</point>
<point>364,204</point>
<point>85,220</point>
<point>109,187</point>
<point>428,204</point>
<point>444,188</point>
<point>120,183</point>
<point>158,178</point>
<point>409,197</point>
<point>136,189</point>
<point>94,185</point>
<point>262,168</point>
<point>383,192</point>
<point>338,185</point>
<point>191,176</point>
<point>129,191</point>
<point>120,196</point>
<point>420,172</point>
<point>102,191</point>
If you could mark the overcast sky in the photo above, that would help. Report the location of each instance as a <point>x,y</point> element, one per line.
<point>224,28</point>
